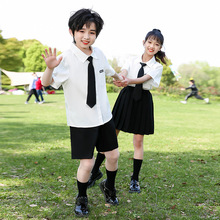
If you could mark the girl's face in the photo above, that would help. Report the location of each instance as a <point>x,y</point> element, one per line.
<point>85,37</point>
<point>152,46</point>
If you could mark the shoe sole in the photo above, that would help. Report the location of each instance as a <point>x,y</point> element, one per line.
<point>131,191</point>
<point>81,216</point>
<point>93,182</point>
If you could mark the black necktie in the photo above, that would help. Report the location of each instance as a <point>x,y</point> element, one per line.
<point>91,92</point>
<point>138,88</point>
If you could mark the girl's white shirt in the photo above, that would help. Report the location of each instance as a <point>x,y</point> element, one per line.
<point>153,69</point>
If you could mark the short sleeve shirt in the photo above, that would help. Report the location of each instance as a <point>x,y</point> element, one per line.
<point>153,69</point>
<point>72,75</point>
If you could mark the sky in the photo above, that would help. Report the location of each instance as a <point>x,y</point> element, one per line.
<point>190,27</point>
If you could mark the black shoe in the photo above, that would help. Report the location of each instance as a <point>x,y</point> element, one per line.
<point>110,195</point>
<point>93,178</point>
<point>134,186</point>
<point>81,208</point>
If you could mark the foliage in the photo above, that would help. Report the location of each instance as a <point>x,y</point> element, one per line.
<point>110,87</point>
<point>115,65</point>
<point>4,79</point>
<point>179,178</point>
<point>207,78</point>
<point>167,79</point>
<point>10,54</point>
<point>33,60</point>
<point>21,56</point>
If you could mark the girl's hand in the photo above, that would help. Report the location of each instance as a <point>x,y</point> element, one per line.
<point>122,83</point>
<point>50,58</point>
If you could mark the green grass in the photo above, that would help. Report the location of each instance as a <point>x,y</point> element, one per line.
<point>180,175</point>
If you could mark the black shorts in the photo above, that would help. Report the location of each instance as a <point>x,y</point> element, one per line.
<point>84,140</point>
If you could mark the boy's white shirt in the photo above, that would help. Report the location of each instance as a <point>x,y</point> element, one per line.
<point>153,68</point>
<point>72,74</point>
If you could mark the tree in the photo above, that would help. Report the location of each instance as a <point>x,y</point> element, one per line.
<point>33,61</point>
<point>167,79</point>
<point>10,54</point>
<point>207,78</point>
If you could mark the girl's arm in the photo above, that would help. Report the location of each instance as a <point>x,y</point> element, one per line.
<point>123,81</point>
<point>139,80</point>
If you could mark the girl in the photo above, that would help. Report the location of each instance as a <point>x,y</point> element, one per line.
<point>133,110</point>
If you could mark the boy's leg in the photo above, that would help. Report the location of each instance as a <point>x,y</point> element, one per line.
<point>96,173</point>
<point>83,174</point>
<point>108,186</point>
<point>188,96</point>
<point>198,96</point>
<point>137,162</point>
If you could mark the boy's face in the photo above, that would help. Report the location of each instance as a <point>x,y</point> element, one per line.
<point>85,37</point>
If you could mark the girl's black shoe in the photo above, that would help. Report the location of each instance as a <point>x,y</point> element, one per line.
<point>134,186</point>
<point>93,178</point>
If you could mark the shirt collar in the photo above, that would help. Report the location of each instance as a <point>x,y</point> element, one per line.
<point>82,56</point>
<point>149,63</point>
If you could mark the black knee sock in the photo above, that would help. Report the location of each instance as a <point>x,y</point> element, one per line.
<point>110,182</point>
<point>136,168</point>
<point>99,159</point>
<point>82,188</point>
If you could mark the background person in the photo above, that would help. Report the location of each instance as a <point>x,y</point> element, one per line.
<point>194,92</point>
<point>32,89</point>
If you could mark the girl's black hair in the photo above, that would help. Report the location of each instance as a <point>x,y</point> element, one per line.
<point>85,16</point>
<point>156,35</point>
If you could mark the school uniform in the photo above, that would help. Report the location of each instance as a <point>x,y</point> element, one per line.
<point>133,116</point>
<point>89,127</point>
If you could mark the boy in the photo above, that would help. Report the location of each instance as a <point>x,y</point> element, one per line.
<point>194,92</point>
<point>89,116</point>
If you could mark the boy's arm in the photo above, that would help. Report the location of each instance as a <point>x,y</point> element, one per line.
<point>47,77</point>
<point>117,77</point>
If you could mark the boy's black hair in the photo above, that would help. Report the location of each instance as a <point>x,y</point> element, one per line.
<point>157,35</point>
<point>85,16</point>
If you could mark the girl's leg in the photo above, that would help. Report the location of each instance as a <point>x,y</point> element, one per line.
<point>138,155</point>
<point>99,159</point>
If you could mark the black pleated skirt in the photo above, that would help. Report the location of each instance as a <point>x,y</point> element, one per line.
<point>132,116</point>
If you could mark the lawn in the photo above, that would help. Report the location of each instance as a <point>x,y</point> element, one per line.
<point>180,176</point>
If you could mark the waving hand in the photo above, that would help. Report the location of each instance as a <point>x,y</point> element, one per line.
<point>50,58</point>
